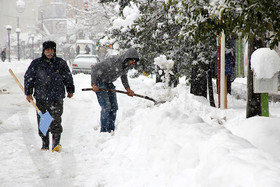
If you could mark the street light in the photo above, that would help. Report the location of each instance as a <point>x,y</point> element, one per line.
<point>20,4</point>
<point>9,28</point>
<point>20,9</point>
<point>32,37</point>
<point>18,32</point>
<point>22,51</point>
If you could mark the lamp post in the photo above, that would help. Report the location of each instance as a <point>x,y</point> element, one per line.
<point>20,9</point>
<point>23,54</point>
<point>9,28</point>
<point>20,4</point>
<point>32,37</point>
<point>42,20</point>
<point>18,32</point>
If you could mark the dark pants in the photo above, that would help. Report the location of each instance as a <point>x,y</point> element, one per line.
<point>109,106</point>
<point>229,84</point>
<point>55,109</point>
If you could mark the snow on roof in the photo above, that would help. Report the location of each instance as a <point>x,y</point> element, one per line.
<point>265,63</point>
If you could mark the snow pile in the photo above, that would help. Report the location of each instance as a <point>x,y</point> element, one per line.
<point>163,63</point>
<point>183,142</point>
<point>263,132</point>
<point>265,63</point>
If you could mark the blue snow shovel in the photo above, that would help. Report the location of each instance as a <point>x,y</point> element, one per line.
<point>45,119</point>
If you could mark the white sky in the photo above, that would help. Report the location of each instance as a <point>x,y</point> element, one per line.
<point>9,14</point>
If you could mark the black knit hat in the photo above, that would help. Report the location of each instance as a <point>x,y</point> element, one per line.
<point>49,45</point>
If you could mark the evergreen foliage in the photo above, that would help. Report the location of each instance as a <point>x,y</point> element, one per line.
<point>185,31</point>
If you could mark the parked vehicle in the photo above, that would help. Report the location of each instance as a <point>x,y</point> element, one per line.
<point>83,63</point>
<point>85,47</point>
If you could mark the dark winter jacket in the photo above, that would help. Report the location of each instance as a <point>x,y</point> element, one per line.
<point>48,79</point>
<point>229,63</point>
<point>3,54</point>
<point>113,67</point>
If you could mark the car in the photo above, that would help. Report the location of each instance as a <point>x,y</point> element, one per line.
<point>83,63</point>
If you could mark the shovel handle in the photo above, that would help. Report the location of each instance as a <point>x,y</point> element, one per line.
<point>20,85</point>
<point>120,91</point>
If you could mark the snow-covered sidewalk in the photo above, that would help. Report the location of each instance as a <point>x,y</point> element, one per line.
<point>183,142</point>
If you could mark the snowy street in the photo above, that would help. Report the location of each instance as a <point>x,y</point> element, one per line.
<point>183,142</point>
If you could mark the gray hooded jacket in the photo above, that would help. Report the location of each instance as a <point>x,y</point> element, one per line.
<point>113,67</point>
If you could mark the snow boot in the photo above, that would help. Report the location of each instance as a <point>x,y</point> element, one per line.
<point>56,145</point>
<point>45,142</point>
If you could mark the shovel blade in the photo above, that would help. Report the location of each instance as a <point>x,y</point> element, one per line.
<point>45,122</point>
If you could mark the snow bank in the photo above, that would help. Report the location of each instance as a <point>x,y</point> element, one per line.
<point>265,63</point>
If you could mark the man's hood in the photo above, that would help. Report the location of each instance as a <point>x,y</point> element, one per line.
<point>131,53</point>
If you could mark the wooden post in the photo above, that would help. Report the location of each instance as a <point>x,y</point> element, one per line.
<point>240,64</point>
<point>264,103</point>
<point>218,68</point>
<point>226,91</point>
<point>223,91</point>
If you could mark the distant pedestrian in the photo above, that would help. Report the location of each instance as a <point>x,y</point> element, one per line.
<point>77,50</point>
<point>87,49</point>
<point>103,75</point>
<point>47,78</point>
<point>3,55</point>
<point>229,68</point>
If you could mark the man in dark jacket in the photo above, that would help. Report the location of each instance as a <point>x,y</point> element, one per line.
<point>103,75</point>
<point>229,68</point>
<point>46,78</point>
<point>3,55</point>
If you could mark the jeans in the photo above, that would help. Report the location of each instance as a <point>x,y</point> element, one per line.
<point>109,106</point>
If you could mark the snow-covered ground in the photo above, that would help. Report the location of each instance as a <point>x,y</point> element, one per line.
<point>183,142</point>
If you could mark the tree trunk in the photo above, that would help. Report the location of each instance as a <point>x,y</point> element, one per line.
<point>158,75</point>
<point>198,82</point>
<point>174,81</point>
<point>210,88</point>
<point>253,107</point>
